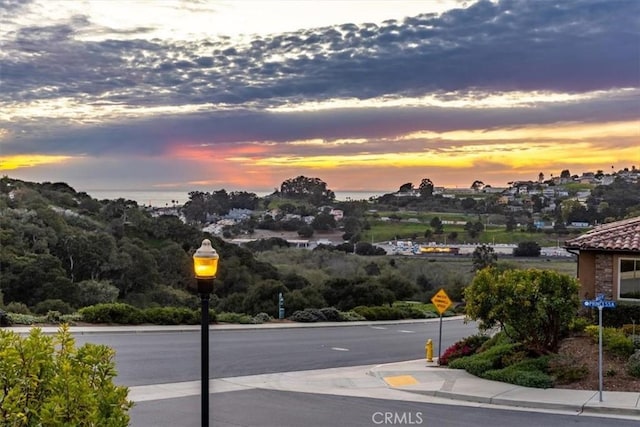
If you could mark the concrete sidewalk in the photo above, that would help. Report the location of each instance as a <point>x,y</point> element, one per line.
<point>429,379</point>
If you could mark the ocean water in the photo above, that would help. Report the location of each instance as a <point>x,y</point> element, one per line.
<point>163,198</point>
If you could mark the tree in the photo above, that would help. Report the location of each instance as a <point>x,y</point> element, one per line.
<point>534,307</point>
<point>540,177</point>
<point>477,185</point>
<point>406,188</point>
<point>313,190</point>
<point>262,297</point>
<point>483,256</point>
<point>426,188</point>
<point>468,203</point>
<point>529,248</point>
<point>401,287</point>
<point>473,228</point>
<point>323,222</point>
<point>91,292</point>
<point>436,224</point>
<point>306,231</point>
<point>565,174</point>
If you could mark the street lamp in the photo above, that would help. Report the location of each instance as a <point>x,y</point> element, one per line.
<point>205,266</point>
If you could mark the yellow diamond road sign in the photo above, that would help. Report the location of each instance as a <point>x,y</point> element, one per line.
<point>441,301</point>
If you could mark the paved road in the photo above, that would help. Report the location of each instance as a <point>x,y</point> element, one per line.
<point>152,358</point>
<point>270,408</point>
<point>158,358</point>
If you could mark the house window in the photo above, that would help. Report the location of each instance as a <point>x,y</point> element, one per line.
<point>629,279</point>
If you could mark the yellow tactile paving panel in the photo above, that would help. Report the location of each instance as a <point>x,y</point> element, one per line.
<point>400,380</point>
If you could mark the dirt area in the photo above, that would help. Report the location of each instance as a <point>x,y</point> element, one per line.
<point>584,351</point>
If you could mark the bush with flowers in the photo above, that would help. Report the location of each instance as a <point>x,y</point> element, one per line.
<point>464,347</point>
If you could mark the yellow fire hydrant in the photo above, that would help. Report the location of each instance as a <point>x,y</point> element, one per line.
<point>429,349</point>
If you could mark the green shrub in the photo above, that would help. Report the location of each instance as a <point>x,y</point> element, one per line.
<point>234,318</point>
<point>351,316</point>
<point>170,316</point>
<point>578,324</point>
<point>70,318</point>
<point>633,364</point>
<point>526,378</point>
<point>389,313</point>
<point>24,319</point>
<point>17,308</point>
<point>496,339</point>
<point>620,315</point>
<point>261,318</point>
<point>112,313</point>
<point>43,307</point>
<point>631,329</point>
<point>613,339</point>
<point>491,358</point>
<point>53,317</point>
<point>308,315</point>
<point>4,319</point>
<point>620,345</point>
<point>473,365</point>
<point>332,314</point>
<point>40,373</point>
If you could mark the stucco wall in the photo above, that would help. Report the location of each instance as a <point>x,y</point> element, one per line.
<point>587,274</point>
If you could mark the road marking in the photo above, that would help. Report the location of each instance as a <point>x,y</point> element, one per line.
<point>339,349</point>
<point>400,380</point>
<point>378,327</point>
<point>407,332</point>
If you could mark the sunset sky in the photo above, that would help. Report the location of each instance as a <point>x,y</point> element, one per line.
<point>365,95</point>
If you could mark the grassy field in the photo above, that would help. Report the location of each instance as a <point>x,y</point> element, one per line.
<point>388,230</point>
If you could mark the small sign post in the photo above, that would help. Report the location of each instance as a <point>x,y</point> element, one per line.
<point>280,306</point>
<point>442,302</point>
<point>600,303</point>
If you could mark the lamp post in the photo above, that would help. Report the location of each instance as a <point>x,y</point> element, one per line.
<point>205,266</point>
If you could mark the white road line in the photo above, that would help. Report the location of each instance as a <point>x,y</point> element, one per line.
<point>378,327</point>
<point>339,349</point>
<point>407,332</point>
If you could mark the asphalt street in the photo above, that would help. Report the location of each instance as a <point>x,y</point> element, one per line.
<point>152,358</point>
<point>269,408</point>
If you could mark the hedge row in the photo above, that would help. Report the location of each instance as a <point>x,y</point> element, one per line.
<point>129,315</point>
<point>394,313</point>
<point>619,316</point>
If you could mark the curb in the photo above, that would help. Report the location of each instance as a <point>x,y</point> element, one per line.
<point>138,329</point>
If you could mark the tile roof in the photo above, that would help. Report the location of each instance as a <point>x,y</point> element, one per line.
<point>616,236</point>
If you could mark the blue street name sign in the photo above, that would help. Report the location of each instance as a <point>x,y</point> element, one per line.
<point>599,302</point>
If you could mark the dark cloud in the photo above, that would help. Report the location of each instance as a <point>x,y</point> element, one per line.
<point>562,46</point>
<point>583,45</point>
<point>154,136</point>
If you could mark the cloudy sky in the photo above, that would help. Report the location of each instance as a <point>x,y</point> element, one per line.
<point>365,95</point>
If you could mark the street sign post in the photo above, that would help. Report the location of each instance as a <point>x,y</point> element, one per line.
<point>599,303</point>
<point>442,302</point>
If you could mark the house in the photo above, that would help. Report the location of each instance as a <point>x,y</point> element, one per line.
<point>609,260</point>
